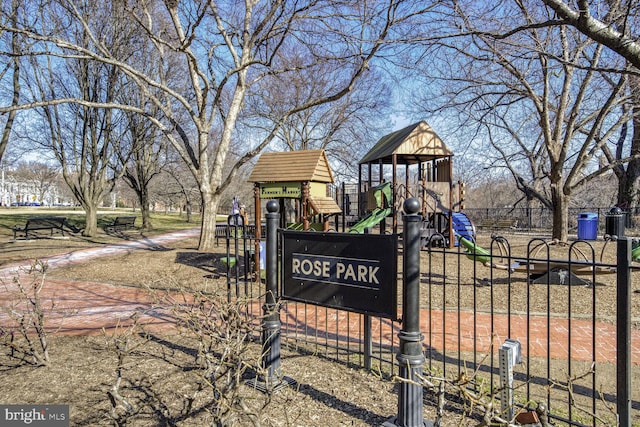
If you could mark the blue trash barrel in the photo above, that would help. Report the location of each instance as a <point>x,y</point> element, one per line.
<point>588,226</point>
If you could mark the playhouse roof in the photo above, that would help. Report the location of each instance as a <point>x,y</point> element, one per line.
<point>288,166</point>
<point>413,144</point>
<point>324,205</point>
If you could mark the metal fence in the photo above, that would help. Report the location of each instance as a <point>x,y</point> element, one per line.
<point>542,218</point>
<point>580,353</point>
<point>525,219</point>
<point>567,336</point>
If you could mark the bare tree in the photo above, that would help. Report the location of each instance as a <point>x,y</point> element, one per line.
<point>542,98</point>
<point>142,157</point>
<point>614,29</point>
<point>142,153</point>
<point>230,53</point>
<point>345,129</point>
<point>353,121</point>
<point>12,66</point>
<point>81,136</point>
<point>614,24</point>
<point>176,187</point>
<point>84,145</point>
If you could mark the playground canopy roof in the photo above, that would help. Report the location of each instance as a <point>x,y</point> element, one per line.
<point>291,166</point>
<point>324,205</point>
<point>414,144</point>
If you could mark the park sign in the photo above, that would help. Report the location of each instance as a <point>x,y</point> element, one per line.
<point>280,190</point>
<point>354,272</point>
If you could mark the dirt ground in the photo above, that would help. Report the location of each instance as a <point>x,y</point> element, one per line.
<point>579,300</point>
<point>163,372</point>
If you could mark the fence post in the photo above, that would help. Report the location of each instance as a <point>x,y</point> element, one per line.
<point>368,342</point>
<point>271,321</point>
<point>623,331</point>
<point>410,356</point>
<point>273,379</point>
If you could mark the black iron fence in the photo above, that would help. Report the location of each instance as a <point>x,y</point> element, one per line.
<point>542,218</point>
<point>569,309</point>
<point>560,308</point>
<point>522,218</point>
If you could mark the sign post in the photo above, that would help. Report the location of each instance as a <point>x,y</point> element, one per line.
<point>623,332</point>
<point>273,379</point>
<point>410,357</point>
<point>271,320</point>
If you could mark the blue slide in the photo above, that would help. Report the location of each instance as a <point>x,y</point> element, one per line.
<point>462,226</point>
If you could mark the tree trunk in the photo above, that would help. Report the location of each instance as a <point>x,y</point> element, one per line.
<point>208,223</point>
<point>143,195</point>
<point>91,221</point>
<point>560,229</point>
<point>188,210</point>
<point>628,181</point>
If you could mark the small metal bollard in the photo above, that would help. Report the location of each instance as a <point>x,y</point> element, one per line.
<point>510,354</point>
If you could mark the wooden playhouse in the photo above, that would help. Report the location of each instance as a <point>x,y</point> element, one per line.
<point>300,182</point>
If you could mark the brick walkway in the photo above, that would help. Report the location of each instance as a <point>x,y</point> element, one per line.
<point>85,308</point>
<point>558,347</point>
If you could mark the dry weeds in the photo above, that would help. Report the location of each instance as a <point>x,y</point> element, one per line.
<point>328,393</point>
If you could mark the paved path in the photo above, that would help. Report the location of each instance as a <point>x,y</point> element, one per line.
<point>114,249</point>
<point>83,308</point>
<point>443,328</point>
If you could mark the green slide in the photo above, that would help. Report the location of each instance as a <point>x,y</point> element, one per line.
<point>474,251</point>
<point>382,190</point>
<point>374,218</point>
<point>635,253</point>
<point>298,226</point>
<point>379,213</point>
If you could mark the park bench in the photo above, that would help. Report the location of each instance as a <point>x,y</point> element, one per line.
<point>498,224</point>
<point>223,231</point>
<point>52,223</point>
<point>121,223</point>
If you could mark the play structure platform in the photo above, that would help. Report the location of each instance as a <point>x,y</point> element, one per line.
<point>552,271</point>
<point>425,163</point>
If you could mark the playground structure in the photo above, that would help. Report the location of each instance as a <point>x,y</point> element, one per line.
<point>428,176</point>
<point>541,270</point>
<point>299,181</point>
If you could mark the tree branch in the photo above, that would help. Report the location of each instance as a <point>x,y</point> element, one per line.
<point>597,30</point>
